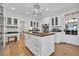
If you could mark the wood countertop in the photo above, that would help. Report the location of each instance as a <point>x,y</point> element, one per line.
<point>42,34</point>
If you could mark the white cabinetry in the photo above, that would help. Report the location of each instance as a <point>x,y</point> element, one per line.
<point>59,21</point>
<point>27,40</point>
<point>40,46</point>
<point>48,45</point>
<point>71,39</point>
<point>35,45</point>
<point>11,28</point>
<point>56,21</point>
<point>11,21</point>
<point>58,37</point>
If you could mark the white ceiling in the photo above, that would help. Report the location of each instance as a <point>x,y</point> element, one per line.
<point>54,8</point>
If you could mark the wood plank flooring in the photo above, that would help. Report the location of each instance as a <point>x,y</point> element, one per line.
<point>18,49</point>
<point>64,49</point>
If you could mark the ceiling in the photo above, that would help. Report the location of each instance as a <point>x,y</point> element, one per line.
<point>26,9</point>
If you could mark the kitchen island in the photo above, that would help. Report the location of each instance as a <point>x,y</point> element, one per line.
<point>40,44</point>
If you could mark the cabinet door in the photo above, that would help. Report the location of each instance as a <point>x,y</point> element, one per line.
<point>52,21</point>
<point>37,24</point>
<point>9,21</point>
<point>34,24</point>
<point>56,20</point>
<point>35,45</point>
<point>31,24</point>
<point>58,37</point>
<point>15,21</point>
<point>51,44</point>
<point>27,40</point>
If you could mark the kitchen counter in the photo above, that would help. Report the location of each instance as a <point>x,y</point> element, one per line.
<point>42,34</point>
<point>40,44</point>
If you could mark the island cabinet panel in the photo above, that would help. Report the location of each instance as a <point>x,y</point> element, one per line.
<point>58,37</point>
<point>40,46</point>
<point>48,45</point>
<point>27,40</point>
<point>35,45</point>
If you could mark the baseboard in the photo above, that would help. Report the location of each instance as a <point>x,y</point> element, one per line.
<point>67,43</point>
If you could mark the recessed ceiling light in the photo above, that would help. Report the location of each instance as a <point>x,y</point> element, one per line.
<point>47,9</point>
<point>26,13</point>
<point>12,8</point>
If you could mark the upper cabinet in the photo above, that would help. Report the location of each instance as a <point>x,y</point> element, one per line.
<point>37,24</point>
<point>52,21</point>
<point>11,21</point>
<point>56,21</point>
<point>31,24</point>
<point>34,24</point>
<point>15,21</point>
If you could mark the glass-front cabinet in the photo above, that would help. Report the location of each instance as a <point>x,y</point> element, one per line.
<point>71,26</point>
<point>15,21</point>
<point>11,21</point>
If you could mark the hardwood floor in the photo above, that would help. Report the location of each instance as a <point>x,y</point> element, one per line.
<point>18,49</point>
<point>64,49</point>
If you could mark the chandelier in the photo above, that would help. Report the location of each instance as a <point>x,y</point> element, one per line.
<point>36,11</point>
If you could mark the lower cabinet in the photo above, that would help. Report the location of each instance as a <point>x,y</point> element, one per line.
<point>58,37</point>
<point>71,39</point>
<point>35,45</point>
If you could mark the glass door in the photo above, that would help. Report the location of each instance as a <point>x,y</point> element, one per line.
<point>15,22</point>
